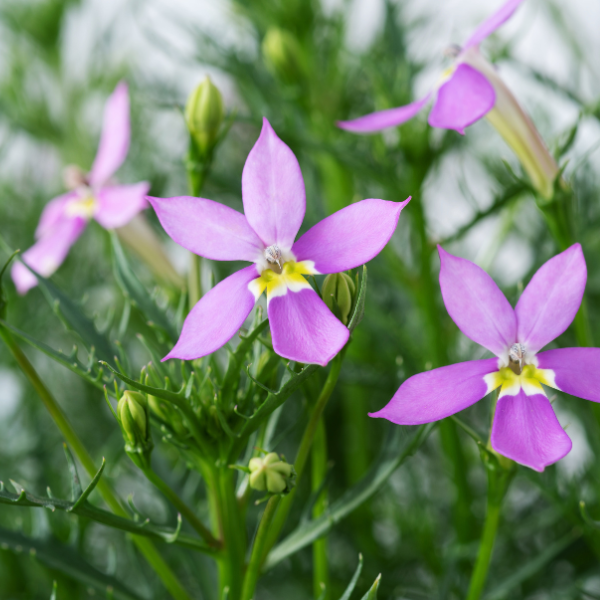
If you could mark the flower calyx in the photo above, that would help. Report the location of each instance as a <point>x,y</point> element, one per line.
<point>272,474</point>
<point>339,294</point>
<point>132,412</point>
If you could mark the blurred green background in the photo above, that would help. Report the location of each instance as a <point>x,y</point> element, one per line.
<point>59,60</point>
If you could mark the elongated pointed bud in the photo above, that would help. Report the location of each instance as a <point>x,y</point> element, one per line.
<point>132,411</point>
<point>204,115</point>
<point>284,55</point>
<point>271,474</point>
<point>339,293</point>
<point>517,129</point>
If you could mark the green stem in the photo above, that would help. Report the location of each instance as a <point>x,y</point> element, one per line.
<point>145,546</point>
<point>194,283</point>
<point>451,443</point>
<point>259,548</point>
<point>319,471</point>
<point>231,566</point>
<point>304,449</point>
<point>182,507</point>
<point>490,528</point>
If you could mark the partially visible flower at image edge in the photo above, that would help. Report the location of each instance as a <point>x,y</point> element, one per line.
<point>303,329</point>
<point>92,196</point>
<point>525,428</point>
<point>468,91</point>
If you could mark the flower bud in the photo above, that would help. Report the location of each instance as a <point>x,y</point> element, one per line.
<point>168,413</point>
<point>271,474</point>
<point>517,129</point>
<point>204,114</point>
<point>283,55</point>
<point>132,411</point>
<point>339,293</point>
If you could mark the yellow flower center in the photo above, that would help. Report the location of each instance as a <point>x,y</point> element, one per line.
<point>277,283</point>
<point>82,207</point>
<point>530,380</point>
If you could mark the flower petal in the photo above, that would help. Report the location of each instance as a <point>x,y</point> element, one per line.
<point>551,300</point>
<point>208,228</point>
<point>384,118</point>
<point>48,253</point>
<point>492,23</point>
<point>576,370</point>
<point>526,430</point>
<point>53,213</point>
<point>350,237</point>
<point>114,141</point>
<point>476,305</point>
<point>304,329</point>
<point>465,98</point>
<point>118,204</point>
<point>273,190</point>
<point>434,395</point>
<point>216,317</point>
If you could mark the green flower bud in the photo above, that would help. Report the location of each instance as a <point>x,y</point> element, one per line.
<point>168,413</point>
<point>204,114</point>
<point>339,293</point>
<point>132,411</point>
<point>271,474</point>
<point>284,55</point>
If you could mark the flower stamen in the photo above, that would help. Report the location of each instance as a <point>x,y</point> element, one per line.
<point>516,357</point>
<point>273,255</point>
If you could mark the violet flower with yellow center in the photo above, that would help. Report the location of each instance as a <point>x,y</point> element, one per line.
<point>303,329</point>
<point>469,90</point>
<point>92,196</point>
<point>525,428</point>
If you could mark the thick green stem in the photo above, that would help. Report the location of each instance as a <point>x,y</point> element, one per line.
<point>258,550</point>
<point>304,449</point>
<point>182,507</point>
<point>318,474</point>
<point>145,546</point>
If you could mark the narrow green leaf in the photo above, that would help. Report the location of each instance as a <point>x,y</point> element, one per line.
<point>372,593</point>
<point>88,511</point>
<point>54,589</point>
<point>346,595</point>
<point>63,559</point>
<point>505,588</point>
<point>398,447</point>
<point>90,488</point>
<point>136,293</point>
<point>92,374</point>
<point>75,482</point>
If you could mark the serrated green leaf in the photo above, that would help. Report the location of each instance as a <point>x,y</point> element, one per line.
<point>63,559</point>
<point>398,447</point>
<point>136,293</point>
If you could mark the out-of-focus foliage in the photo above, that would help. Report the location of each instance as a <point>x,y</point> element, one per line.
<point>421,530</point>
